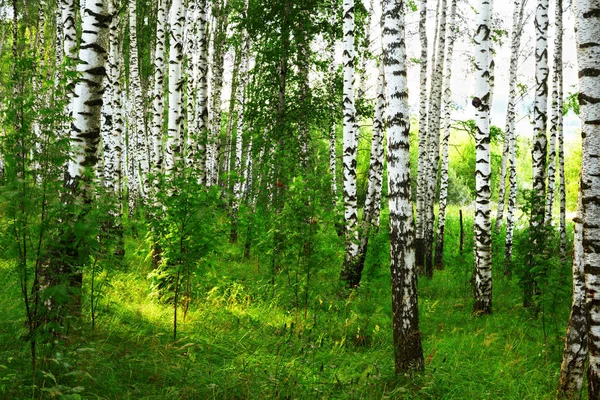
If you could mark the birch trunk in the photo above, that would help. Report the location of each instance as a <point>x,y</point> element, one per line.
<point>555,109</point>
<point>175,118</point>
<point>405,310</point>
<point>373,200</point>
<point>422,150</point>
<point>482,225</point>
<point>433,145</point>
<point>202,96</point>
<point>241,99</point>
<point>349,273</point>
<point>112,129</point>
<point>439,244</point>
<point>191,62</point>
<point>539,143</point>
<point>219,38</point>
<point>575,351</point>
<point>510,139</point>
<point>158,102</point>
<point>588,58</point>
<point>332,131</point>
<point>87,100</point>
<point>137,130</point>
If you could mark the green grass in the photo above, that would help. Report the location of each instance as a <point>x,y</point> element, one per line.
<point>244,338</point>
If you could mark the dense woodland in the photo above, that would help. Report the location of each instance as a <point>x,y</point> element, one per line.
<point>244,199</point>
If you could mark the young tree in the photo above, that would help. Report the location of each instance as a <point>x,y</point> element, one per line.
<point>349,273</point>
<point>482,224</point>
<point>407,336</point>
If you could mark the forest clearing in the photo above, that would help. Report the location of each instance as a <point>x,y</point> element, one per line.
<point>328,199</point>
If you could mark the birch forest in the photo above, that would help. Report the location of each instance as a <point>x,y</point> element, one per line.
<point>299,199</point>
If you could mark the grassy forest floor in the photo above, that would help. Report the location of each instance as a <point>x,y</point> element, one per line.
<point>247,338</point>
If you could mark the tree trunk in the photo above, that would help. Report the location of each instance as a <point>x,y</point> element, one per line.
<point>175,119</point>
<point>575,351</point>
<point>556,109</point>
<point>349,273</point>
<point>588,34</point>
<point>439,244</point>
<point>202,95</point>
<point>422,150</point>
<point>219,47</point>
<point>407,336</point>
<point>158,102</point>
<point>433,145</point>
<point>191,62</point>
<point>482,225</point>
<point>373,200</point>
<point>510,139</point>
<point>539,144</point>
<point>85,133</point>
<point>137,132</point>
<point>241,99</point>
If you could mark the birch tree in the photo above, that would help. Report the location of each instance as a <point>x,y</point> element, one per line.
<point>175,117</point>
<point>349,273</point>
<point>556,109</point>
<point>241,87</point>
<point>539,142</point>
<point>158,103</point>
<point>407,336</point>
<point>447,102</point>
<point>85,133</point>
<point>219,9</point>
<point>202,95</point>
<point>433,141</point>
<point>422,150</point>
<point>576,342</point>
<point>510,134</point>
<point>482,225</point>
<point>136,132</point>
<point>588,34</point>
<point>375,180</point>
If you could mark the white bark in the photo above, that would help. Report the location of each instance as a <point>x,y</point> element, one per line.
<point>510,139</point>
<point>422,150</point>
<point>350,147</point>
<point>588,58</point>
<point>407,337</point>
<point>158,102</point>
<point>433,142</point>
<point>175,118</point>
<point>482,225</point>
<point>111,109</point>
<point>447,107</point>
<point>556,108</point>
<point>540,115</point>
<point>202,94</point>
<point>87,99</point>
